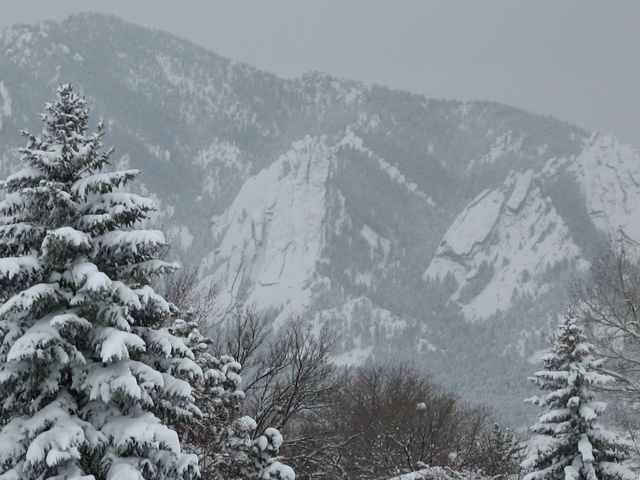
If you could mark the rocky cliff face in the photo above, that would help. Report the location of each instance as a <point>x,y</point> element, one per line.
<point>608,174</point>
<point>506,241</point>
<point>502,246</point>
<point>437,231</point>
<point>273,234</point>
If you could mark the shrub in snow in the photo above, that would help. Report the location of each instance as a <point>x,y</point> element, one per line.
<point>265,453</point>
<point>89,378</point>
<point>501,452</point>
<point>574,446</point>
<point>220,436</point>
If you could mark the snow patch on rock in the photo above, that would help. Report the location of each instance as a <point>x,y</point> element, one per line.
<point>374,240</point>
<point>181,236</point>
<point>351,140</point>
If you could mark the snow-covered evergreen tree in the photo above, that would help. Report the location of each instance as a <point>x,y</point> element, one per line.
<point>221,436</point>
<point>574,446</point>
<point>89,378</point>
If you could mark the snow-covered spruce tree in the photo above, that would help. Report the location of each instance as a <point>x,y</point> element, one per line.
<point>89,379</point>
<point>576,447</point>
<point>220,436</point>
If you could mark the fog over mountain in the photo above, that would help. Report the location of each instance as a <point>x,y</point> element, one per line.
<point>440,232</point>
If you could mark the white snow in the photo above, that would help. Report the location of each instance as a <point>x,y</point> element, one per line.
<point>143,429</point>
<point>63,320</point>
<point>201,90</point>
<point>129,241</point>
<point>387,323</point>
<point>171,346</point>
<point>126,377</point>
<point>93,183</point>
<point>27,298</point>
<point>69,237</point>
<point>440,473</point>
<point>121,470</point>
<point>58,442</point>
<point>351,140</point>
<point>33,341</point>
<point>120,202</point>
<point>355,356</point>
<point>11,267</point>
<point>5,111</point>
<point>115,344</point>
<point>246,423</point>
<point>373,239</point>
<point>6,100</point>
<point>609,174</point>
<point>274,231</point>
<point>584,446</point>
<point>87,277</point>
<point>520,192</point>
<point>219,161</point>
<point>503,223</point>
<point>182,236</point>
<point>219,152</point>
<point>477,221</point>
<point>158,152</point>
<point>502,146</point>
<point>615,470</point>
<point>464,109</point>
<point>515,229</point>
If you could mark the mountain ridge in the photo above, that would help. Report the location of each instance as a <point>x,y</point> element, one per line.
<point>343,202</point>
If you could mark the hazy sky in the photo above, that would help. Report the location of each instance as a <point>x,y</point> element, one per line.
<point>577,60</point>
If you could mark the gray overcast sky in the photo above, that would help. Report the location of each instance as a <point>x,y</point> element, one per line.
<point>578,60</point>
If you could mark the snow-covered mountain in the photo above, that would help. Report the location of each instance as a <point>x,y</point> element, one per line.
<point>502,245</point>
<point>436,231</point>
<point>505,242</point>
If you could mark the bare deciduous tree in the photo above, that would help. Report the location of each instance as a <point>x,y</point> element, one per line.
<point>290,382</point>
<point>182,289</point>
<point>243,337</point>
<point>368,423</point>
<point>501,453</point>
<point>608,303</point>
<point>294,374</point>
<point>396,420</point>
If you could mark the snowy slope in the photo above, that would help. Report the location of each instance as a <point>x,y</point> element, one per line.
<point>608,173</point>
<point>501,246</point>
<point>506,240</point>
<point>273,233</point>
<point>362,325</point>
